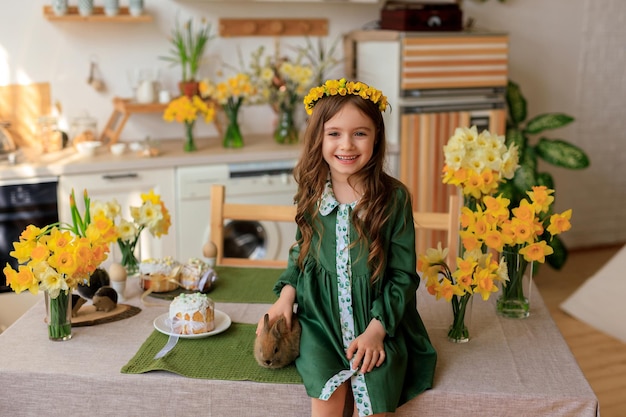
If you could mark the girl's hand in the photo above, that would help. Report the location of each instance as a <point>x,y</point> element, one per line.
<point>282,306</point>
<point>369,348</point>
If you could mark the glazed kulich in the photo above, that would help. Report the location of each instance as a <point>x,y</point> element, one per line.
<point>196,275</point>
<point>192,314</point>
<point>159,275</point>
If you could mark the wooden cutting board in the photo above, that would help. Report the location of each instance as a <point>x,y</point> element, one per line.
<point>21,106</point>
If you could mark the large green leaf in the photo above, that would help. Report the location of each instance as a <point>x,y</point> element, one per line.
<point>514,135</point>
<point>516,103</point>
<point>524,178</point>
<point>559,257</point>
<point>561,153</point>
<point>547,121</point>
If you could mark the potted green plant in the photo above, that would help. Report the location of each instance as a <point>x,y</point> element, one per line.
<point>187,48</point>
<point>557,152</point>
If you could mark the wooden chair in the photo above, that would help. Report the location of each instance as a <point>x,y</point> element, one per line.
<point>429,225</point>
<point>222,211</point>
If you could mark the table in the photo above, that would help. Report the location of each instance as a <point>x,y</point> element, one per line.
<point>509,368</point>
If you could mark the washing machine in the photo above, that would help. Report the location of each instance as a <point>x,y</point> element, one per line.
<point>247,183</point>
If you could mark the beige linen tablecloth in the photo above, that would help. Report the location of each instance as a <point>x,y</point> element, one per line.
<point>509,368</point>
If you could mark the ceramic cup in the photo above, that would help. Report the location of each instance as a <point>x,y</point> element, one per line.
<point>164,96</point>
<point>85,7</point>
<point>135,7</point>
<point>111,7</point>
<point>119,287</point>
<point>59,7</point>
<point>118,148</point>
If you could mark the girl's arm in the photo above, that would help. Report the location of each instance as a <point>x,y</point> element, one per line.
<point>401,280</point>
<point>282,306</point>
<point>285,288</point>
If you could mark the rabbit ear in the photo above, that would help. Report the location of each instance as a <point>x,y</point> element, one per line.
<point>266,323</point>
<point>280,326</point>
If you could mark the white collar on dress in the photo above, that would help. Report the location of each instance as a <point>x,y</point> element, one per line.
<point>328,202</point>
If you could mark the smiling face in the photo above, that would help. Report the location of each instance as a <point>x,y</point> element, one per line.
<point>348,142</point>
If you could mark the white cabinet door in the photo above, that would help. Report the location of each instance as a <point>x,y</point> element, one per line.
<point>126,187</point>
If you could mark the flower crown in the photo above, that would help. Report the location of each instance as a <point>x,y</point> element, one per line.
<point>343,87</point>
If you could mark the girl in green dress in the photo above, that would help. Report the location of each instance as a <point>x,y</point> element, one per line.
<point>352,273</point>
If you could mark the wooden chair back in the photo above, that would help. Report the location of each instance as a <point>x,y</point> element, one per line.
<point>222,211</point>
<point>427,222</point>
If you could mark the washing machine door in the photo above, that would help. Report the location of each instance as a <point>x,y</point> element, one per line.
<point>251,239</point>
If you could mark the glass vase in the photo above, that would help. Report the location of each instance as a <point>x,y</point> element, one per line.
<point>232,135</point>
<point>461,317</point>
<point>59,315</point>
<point>190,144</point>
<point>514,301</point>
<point>286,131</point>
<point>129,261</point>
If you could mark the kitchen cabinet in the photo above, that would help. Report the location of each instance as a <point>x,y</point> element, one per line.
<point>126,187</point>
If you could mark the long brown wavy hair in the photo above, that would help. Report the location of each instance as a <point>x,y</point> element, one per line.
<point>311,172</point>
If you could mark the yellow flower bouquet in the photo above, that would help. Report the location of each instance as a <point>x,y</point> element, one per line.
<point>478,163</point>
<point>282,83</point>
<point>186,110</point>
<point>230,95</point>
<point>151,214</point>
<point>521,234</point>
<point>59,257</point>
<point>476,272</point>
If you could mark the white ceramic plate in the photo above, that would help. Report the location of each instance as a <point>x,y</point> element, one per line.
<point>222,322</point>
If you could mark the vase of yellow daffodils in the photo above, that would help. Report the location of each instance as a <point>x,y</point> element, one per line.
<point>57,259</point>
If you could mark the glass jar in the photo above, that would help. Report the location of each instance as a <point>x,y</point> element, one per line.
<point>83,129</point>
<point>48,134</point>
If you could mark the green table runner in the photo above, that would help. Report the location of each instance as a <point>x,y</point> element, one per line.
<point>245,285</point>
<point>226,356</point>
<point>239,285</point>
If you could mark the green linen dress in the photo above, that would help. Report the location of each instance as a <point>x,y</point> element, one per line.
<point>336,302</point>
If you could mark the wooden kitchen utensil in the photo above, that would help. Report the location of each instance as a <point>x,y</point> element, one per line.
<point>93,80</point>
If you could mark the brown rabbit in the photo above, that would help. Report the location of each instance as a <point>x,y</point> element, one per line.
<point>277,346</point>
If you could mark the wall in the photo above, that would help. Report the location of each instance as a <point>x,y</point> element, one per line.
<point>34,49</point>
<point>567,55</point>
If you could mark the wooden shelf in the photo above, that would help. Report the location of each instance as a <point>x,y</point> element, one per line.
<point>273,27</point>
<point>97,16</point>
<point>122,109</point>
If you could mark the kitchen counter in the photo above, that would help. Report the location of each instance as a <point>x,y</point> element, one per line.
<point>256,148</point>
